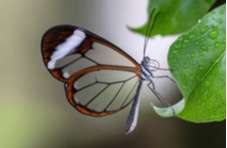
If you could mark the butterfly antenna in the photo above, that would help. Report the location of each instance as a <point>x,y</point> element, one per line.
<point>149,29</point>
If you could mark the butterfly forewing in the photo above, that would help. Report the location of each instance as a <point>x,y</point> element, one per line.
<point>99,78</point>
<point>68,49</point>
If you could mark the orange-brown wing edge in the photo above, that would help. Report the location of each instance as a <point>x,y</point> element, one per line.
<point>70,90</point>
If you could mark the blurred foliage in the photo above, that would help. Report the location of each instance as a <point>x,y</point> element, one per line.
<point>176,16</point>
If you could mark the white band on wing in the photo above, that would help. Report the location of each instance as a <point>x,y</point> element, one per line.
<point>66,47</point>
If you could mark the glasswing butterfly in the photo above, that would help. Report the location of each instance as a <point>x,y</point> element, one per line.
<point>99,78</point>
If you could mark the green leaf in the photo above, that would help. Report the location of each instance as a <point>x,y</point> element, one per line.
<point>198,63</point>
<point>176,16</point>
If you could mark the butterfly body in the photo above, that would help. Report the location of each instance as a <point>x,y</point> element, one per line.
<point>99,78</point>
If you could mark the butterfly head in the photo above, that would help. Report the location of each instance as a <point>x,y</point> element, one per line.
<point>150,64</point>
<point>146,60</point>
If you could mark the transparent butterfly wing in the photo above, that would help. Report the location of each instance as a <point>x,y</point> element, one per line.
<point>99,77</point>
<point>102,91</point>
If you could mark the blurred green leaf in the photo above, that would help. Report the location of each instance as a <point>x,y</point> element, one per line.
<point>176,16</point>
<point>198,60</point>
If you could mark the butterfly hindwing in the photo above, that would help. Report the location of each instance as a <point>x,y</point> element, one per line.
<point>102,91</point>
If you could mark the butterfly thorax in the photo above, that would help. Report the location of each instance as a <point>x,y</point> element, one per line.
<point>148,66</point>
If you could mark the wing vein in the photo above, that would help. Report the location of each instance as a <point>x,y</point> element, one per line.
<point>123,104</point>
<point>93,98</point>
<point>119,90</point>
<point>114,96</point>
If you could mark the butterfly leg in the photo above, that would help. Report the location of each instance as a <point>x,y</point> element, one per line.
<point>164,76</point>
<point>151,86</point>
<point>159,96</point>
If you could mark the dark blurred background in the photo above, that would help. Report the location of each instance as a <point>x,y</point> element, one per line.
<point>34,112</point>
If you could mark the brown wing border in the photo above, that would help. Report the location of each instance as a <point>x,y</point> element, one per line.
<point>70,91</point>
<point>58,34</point>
